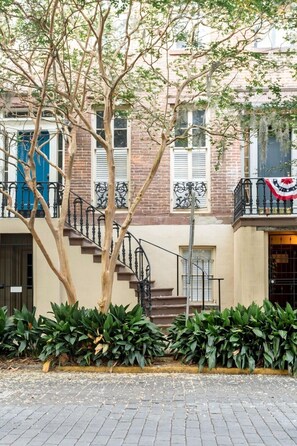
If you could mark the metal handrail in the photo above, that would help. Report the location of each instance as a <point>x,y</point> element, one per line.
<point>88,221</point>
<point>205,276</point>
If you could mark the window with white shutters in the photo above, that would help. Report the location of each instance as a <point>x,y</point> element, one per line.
<point>189,161</point>
<point>120,143</point>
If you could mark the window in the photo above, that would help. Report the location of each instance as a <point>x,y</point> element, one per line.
<point>120,141</point>
<point>189,160</point>
<point>189,34</point>
<point>202,262</point>
<point>274,38</point>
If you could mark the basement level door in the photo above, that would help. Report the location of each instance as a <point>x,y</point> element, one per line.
<point>24,195</point>
<point>283,269</point>
<point>16,270</point>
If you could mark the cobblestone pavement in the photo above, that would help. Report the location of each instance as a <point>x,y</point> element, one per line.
<point>69,409</point>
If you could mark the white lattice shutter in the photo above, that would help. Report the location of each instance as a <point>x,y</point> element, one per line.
<point>120,159</point>
<point>199,171</point>
<point>181,165</point>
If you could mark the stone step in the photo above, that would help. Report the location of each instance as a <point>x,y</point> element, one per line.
<point>163,319</point>
<point>167,300</point>
<point>168,309</point>
<point>156,292</point>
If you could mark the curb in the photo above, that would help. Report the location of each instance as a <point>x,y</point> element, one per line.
<point>167,369</point>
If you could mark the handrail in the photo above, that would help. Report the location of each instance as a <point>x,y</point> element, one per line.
<point>90,222</point>
<point>205,276</point>
<point>87,220</point>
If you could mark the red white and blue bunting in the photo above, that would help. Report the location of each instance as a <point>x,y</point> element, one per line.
<point>283,188</point>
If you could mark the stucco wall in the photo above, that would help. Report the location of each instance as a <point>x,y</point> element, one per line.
<point>208,233</point>
<point>250,266</point>
<point>86,274</point>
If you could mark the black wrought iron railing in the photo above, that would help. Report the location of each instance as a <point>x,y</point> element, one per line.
<point>252,196</point>
<point>90,222</point>
<point>121,194</point>
<point>202,284</point>
<point>23,199</point>
<point>87,220</point>
<point>182,194</point>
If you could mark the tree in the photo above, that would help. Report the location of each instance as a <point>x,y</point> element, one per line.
<point>73,57</point>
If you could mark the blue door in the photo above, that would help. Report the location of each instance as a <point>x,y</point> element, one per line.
<point>24,197</point>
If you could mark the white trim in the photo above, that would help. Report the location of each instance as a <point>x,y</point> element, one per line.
<point>206,209</point>
<point>253,155</point>
<point>93,157</point>
<point>12,126</point>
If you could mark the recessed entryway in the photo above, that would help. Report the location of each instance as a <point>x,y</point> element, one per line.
<point>283,268</point>
<point>16,271</point>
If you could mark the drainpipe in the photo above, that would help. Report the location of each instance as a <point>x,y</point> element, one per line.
<point>190,253</point>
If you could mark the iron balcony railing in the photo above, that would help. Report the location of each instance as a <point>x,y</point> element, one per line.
<point>252,196</point>
<point>87,220</point>
<point>121,194</point>
<point>23,199</point>
<point>182,194</point>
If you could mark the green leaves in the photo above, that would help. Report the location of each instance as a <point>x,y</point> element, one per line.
<point>89,337</point>
<point>241,337</point>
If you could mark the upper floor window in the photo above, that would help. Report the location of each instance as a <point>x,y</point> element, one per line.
<point>120,144</point>
<point>189,33</point>
<point>274,38</point>
<point>189,160</point>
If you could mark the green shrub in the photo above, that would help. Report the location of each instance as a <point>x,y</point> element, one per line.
<point>241,337</point>
<point>6,324</point>
<point>87,336</point>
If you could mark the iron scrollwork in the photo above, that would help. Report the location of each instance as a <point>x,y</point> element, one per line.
<point>121,194</point>
<point>182,193</point>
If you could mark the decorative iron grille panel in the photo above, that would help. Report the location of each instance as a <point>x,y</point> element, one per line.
<point>121,194</point>
<point>182,194</point>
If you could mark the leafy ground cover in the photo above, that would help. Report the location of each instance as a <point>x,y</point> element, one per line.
<point>256,336</point>
<point>241,337</point>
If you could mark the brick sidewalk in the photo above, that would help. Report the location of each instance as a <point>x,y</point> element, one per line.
<point>103,409</point>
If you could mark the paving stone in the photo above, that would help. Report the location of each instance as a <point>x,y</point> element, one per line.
<point>70,409</point>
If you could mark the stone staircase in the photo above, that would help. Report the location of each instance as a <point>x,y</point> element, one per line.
<point>165,306</point>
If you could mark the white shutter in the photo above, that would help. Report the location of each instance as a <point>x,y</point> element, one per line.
<point>181,170</point>
<point>120,159</point>
<point>199,164</point>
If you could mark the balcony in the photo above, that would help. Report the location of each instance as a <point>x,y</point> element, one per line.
<point>23,199</point>
<point>253,197</point>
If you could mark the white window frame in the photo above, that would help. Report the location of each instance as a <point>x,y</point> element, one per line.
<point>15,125</point>
<point>190,149</point>
<point>209,269</point>
<point>202,35</point>
<point>94,159</point>
<point>273,39</point>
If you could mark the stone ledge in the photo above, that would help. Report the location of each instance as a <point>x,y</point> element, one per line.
<point>187,369</point>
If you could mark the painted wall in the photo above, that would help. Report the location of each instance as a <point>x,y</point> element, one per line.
<point>209,232</point>
<point>86,274</point>
<point>250,266</point>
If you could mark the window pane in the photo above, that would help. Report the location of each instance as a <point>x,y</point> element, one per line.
<point>181,129</point>
<point>120,138</point>
<point>99,120</point>
<point>198,117</point>
<point>120,123</point>
<point>198,138</point>
<point>198,132</point>
<point>99,127</point>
